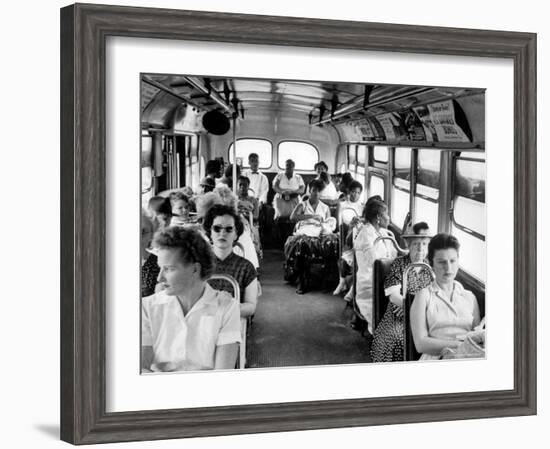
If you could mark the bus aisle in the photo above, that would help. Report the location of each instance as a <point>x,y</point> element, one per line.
<point>300,330</point>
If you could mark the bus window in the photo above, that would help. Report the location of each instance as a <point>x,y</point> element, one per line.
<point>261,147</point>
<point>376,186</point>
<point>381,154</point>
<point>146,167</point>
<point>470,178</point>
<point>361,164</point>
<point>468,217</point>
<point>360,176</point>
<point>202,168</point>
<point>304,155</point>
<point>194,160</point>
<point>401,186</point>
<point>146,184</point>
<point>352,159</point>
<point>427,188</point>
<point>362,155</point>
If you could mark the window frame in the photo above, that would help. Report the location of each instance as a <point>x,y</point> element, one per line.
<point>454,195</point>
<point>245,162</point>
<point>298,141</point>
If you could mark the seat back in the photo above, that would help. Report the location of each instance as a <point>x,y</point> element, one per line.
<point>236,294</point>
<point>379,299</point>
<point>409,349</point>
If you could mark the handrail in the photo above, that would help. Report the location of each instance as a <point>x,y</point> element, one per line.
<point>407,301</point>
<point>400,250</point>
<point>237,296</point>
<point>341,227</point>
<point>231,280</point>
<point>240,246</point>
<point>412,266</point>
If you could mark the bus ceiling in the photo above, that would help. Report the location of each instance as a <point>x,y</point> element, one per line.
<point>389,114</point>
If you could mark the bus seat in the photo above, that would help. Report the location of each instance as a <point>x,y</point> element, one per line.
<point>241,359</point>
<point>379,299</point>
<point>409,349</point>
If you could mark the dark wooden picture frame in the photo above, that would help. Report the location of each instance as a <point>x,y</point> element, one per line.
<point>84,29</point>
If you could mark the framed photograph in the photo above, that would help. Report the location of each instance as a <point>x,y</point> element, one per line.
<point>309,120</point>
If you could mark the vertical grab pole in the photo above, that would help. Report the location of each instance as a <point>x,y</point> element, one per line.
<point>234,174</point>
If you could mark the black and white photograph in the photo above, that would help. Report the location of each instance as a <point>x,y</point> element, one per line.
<point>292,223</point>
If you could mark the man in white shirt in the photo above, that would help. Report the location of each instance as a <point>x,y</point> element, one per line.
<point>258,181</point>
<point>188,325</point>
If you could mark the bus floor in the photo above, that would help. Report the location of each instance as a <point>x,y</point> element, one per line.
<point>298,330</point>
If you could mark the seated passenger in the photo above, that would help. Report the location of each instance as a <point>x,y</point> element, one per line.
<point>387,345</point>
<point>246,204</point>
<point>353,202</point>
<point>224,226</point>
<point>345,183</point>
<point>443,313</point>
<point>245,239</point>
<point>160,211</point>
<point>227,178</point>
<point>329,195</point>
<point>352,225</point>
<point>206,185</point>
<point>214,170</point>
<point>180,209</point>
<point>188,325</point>
<point>366,252</point>
<point>223,195</point>
<point>149,266</point>
<point>312,238</point>
<point>249,207</point>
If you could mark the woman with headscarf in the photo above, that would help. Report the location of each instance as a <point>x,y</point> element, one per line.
<point>367,249</point>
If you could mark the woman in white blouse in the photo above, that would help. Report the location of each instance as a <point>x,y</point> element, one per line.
<point>313,234</point>
<point>288,187</point>
<point>444,312</point>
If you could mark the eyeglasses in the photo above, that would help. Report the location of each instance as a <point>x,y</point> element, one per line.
<point>227,229</point>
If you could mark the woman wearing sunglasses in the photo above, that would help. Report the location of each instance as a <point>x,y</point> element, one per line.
<point>223,226</point>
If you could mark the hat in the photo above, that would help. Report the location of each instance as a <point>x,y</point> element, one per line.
<point>208,182</point>
<point>412,235</point>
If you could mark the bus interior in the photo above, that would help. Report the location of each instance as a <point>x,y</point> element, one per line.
<point>420,148</point>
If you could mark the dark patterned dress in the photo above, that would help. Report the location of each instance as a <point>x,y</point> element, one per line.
<point>301,251</point>
<point>149,273</point>
<point>236,266</point>
<point>387,344</point>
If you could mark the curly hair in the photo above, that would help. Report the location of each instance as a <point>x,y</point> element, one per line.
<point>373,208</point>
<point>318,184</point>
<point>192,247</point>
<point>442,241</point>
<point>219,210</point>
<point>226,196</point>
<point>205,202</point>
<point>177,196</point>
